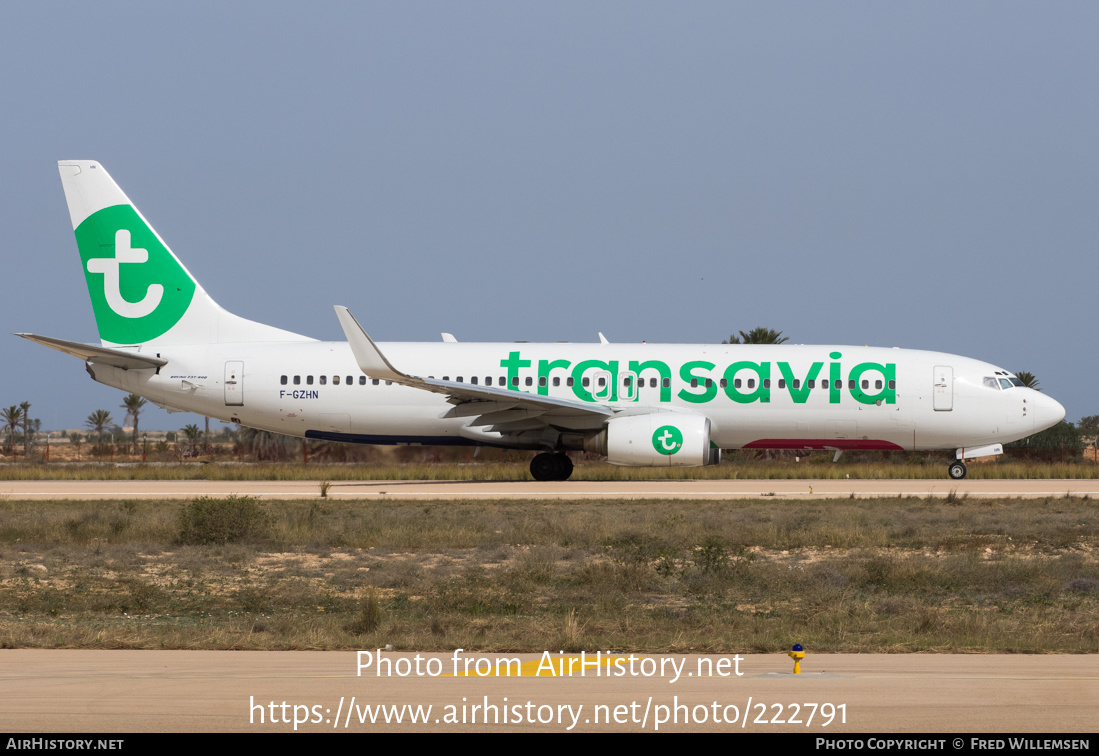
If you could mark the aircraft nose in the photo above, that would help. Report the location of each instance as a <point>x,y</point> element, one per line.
<point>1045,410</point>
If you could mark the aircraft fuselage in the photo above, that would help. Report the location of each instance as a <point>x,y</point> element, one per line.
<point>784,396</point>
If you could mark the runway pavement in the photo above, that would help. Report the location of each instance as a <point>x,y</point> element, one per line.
<point>245,691</point>
<point>654,489</point>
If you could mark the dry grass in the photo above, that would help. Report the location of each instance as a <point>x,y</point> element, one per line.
<point>839,575</point>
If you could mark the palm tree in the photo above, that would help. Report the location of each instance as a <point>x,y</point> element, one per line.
<point>98,421</point>
<point>26,407</point>
<point>758,336</point>
<point>11,416</point>
<point>1028,379</point>
<point>133,404</point>
<point>1089,423</point>
<point>192,433</point>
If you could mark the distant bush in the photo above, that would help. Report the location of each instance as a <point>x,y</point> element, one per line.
<point>1060,442</point>
<point>369,617</point>
<point>1083,585</point>
<point>235,518</point>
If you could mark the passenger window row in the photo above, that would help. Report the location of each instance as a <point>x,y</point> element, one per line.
<point>322,380</point>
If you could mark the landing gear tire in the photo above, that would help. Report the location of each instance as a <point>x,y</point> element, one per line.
<point>957,470</point>
<point>564,466</point>
<point>548,466</point>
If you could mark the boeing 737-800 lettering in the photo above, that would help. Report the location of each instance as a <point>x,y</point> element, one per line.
<point>163,337</point>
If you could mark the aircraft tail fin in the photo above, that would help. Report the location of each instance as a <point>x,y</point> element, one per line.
<point>141,293</point>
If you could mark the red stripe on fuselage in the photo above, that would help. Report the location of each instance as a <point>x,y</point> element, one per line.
<point>823,443</point>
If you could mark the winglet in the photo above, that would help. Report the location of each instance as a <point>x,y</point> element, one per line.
<point>374,364</point>
<point>370,359</point>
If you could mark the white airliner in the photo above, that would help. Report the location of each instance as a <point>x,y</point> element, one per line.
<point>163,337</point>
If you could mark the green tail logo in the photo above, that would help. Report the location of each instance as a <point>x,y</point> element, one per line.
<point>138,289</point>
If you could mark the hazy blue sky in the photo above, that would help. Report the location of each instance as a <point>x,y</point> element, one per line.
<point>921,175</point>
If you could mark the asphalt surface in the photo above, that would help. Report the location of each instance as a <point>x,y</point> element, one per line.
<point>244,691</point>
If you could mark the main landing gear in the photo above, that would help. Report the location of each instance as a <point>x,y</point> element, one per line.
<point>548,466</point>
<point>957,470</point>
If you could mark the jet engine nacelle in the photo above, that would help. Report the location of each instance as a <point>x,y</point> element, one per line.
<point>665,439</point>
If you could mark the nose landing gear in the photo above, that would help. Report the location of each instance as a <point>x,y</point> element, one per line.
<point>957,470</point>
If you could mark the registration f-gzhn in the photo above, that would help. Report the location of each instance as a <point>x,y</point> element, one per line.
<point>163,337</point>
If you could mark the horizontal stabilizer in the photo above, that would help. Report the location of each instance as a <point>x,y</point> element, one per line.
<point>102,355</point>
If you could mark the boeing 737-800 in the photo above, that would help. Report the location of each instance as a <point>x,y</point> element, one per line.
<point>163,337</point>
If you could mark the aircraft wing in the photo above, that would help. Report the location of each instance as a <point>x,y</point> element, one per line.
<point>102,355</point>
<point>498,409</point>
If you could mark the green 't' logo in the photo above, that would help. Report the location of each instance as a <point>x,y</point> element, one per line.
<point>667,439</point>
<point>138,289</point>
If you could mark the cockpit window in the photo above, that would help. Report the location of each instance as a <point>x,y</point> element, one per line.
<point>1015,381</point>
<point>1005,383</point>
<point>991,383</point>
